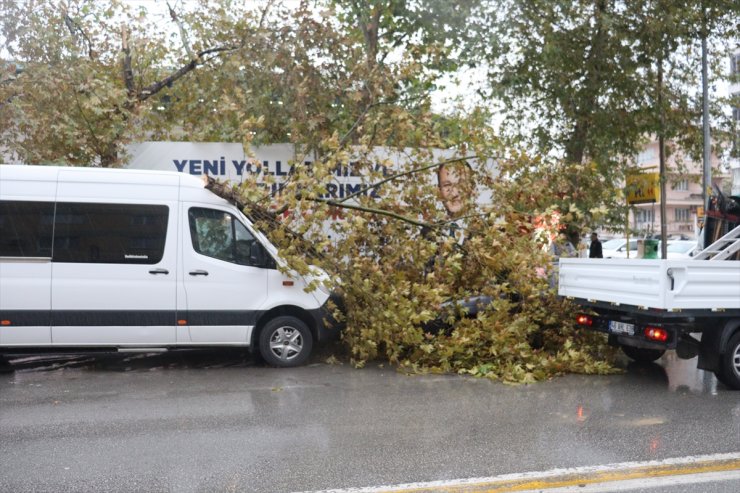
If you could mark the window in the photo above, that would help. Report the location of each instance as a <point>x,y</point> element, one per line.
<point>683,215</point>
<point>110,233</point>
<point>681,185</point>
<point>644,216</point>
<point>734,64</point>
<point>220,235</point>
<point>26,228</point>
<point>647,156</point>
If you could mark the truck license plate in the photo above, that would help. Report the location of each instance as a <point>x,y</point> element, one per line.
<point>621,328</point>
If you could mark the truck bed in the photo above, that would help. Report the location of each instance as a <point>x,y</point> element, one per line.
<point>658,284</point>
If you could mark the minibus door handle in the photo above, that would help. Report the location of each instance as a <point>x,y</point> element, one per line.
<point>159,271</point>
<point>199,273</point>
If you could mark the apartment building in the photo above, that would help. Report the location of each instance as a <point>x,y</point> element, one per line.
<point>734,161</point>
<point>684,175</point>
<point>683,192</point>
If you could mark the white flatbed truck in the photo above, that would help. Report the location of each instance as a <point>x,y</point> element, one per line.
<point>649,306</point>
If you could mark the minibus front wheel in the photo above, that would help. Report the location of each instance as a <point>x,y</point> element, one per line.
<point>285,341</point>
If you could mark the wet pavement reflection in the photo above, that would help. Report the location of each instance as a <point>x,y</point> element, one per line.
<point>670,372</point>
<point>123,362</point>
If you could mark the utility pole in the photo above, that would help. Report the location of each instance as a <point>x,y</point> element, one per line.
<point>707,176</point>
<point>661,158</point>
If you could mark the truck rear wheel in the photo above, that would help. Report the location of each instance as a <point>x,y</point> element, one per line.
<point>286,342</point>
<point>729,372</point>
<point>642,355</point>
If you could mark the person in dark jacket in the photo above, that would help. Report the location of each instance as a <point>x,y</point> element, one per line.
<point>594,250</point>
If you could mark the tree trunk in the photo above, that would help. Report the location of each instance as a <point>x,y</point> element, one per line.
<point>109,156</point>
<point>370,26</point>
<point>661,154</point>
<point>576,145</point>
<point>575,148</point>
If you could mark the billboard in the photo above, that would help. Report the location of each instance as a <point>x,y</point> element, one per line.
<point>643,188</point>
<point>221,160</point>
<point>270,164</point>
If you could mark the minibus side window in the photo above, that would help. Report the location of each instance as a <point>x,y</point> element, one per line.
<point>26,228</point>
<point>220,235</point>
<point>110,233</point>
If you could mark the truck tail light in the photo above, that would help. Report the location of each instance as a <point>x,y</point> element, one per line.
<point>582,319</point>
<point>656,334</point>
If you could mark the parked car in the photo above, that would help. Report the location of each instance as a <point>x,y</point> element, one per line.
<point>682,248</point>
<point>617,248</point>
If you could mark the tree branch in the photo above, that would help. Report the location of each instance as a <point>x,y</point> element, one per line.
<point>372,210</point>
<point>75,28</point>
<point>367,109</point>
<point>97,144</point>
<point>153,89</point>
<point>231,194</point>
<point>398,41</point>
<point>265,11</point>
<point>181,28</point>
<point>128,72</point>
<point>405,173</point>
<point>349,132</point>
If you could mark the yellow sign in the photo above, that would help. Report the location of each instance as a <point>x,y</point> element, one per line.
<point>643,188</point>
<point>700,211</point>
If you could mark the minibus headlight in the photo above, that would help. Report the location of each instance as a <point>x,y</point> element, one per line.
<point>324,288</point>
<point>317,274</point>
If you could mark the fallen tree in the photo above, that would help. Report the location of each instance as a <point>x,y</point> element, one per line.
<point>408,285</point>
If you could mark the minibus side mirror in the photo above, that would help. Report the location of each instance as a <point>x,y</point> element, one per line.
<point>253,254</point>
<point>258,256</point>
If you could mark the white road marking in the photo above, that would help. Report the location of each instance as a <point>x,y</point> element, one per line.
<point>494,482</point>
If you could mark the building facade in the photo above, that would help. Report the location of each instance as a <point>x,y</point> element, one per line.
<point>683,193</point>
<point>684,177</point>
<point>734,161</point>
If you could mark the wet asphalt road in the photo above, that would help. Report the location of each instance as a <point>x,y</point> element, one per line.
<point>213,421</point>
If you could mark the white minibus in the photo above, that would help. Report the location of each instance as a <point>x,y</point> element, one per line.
<point>124,260</point>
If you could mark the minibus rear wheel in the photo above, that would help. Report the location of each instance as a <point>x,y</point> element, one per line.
<point>286,342</point>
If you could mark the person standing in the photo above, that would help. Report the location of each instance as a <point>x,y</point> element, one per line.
<point>594,250</point>
<point>562,247</point>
